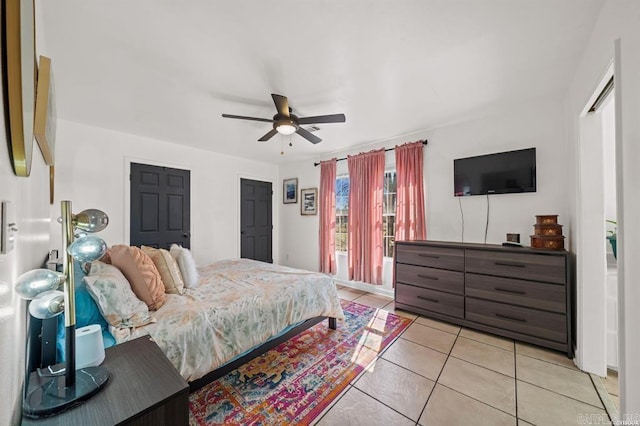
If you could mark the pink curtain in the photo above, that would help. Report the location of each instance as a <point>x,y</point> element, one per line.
<point>327,205</point>
<point>410,224</point>
<point>366,175</point>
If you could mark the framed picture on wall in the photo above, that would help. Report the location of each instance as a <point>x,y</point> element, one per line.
<point>309,201</point>
<point>290,191</point>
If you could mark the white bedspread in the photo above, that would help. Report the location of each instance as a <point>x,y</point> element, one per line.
<point>238,305</point>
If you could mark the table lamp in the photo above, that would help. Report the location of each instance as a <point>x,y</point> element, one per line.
<point>55,393</point>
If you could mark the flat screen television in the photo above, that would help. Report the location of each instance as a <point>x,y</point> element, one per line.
<point>499,173</point>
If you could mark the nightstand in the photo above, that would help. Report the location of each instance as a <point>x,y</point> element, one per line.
<point>144,389</point>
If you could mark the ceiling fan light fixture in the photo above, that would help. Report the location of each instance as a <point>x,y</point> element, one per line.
<point>286,129</point>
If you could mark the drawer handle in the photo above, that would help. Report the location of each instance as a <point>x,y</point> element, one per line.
<point>507,290</point>
<point>432,256</point>
<point>428,299</point>
<point>516,265</point>
<point>428,277</point>
<point>511,318</point>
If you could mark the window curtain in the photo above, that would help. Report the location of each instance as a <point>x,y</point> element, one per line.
<point>327,208</point>
<point>410,223</point>
<point>366,175</point>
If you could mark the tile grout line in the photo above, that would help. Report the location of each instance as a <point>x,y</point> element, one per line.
<point>606,392</point>
<point>352,384</point>
<point>484,366</point>
<point>566,396</point>
<point>477,400</point>
<point>439,374</point>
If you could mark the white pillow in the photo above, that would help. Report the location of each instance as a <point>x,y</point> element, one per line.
<point>186,264</point>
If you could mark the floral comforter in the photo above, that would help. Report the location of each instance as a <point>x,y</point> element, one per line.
<point>238,305</point>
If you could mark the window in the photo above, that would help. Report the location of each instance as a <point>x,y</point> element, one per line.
<point>342,212</point>
<point>388,212</point>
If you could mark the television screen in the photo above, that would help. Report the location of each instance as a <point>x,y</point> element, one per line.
<point>500,173</point>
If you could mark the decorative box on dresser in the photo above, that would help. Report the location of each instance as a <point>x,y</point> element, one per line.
<point>516,292</point>
<point>144,388</point>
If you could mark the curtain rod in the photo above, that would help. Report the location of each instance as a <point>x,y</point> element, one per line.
<point>424,142</point>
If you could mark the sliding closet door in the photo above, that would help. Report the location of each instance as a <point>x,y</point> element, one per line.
<point>160,212</point>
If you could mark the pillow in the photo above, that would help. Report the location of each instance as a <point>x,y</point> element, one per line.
<point>141,273</point>
<point>187,265</point>
<point>87,312</point>
<point>168,269</point>
<point>106,257</point>
<point>117,303</point>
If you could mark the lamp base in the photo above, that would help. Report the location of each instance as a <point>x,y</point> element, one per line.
<point>52,397</point>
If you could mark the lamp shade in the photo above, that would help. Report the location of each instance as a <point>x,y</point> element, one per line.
<point>87,248</point>
<point>32,283</point>
<point>47,305</point>
<point>91,220</point>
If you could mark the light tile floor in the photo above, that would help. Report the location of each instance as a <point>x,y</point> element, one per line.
<point>441,374</point>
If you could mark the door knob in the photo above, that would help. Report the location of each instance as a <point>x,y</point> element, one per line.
<point>186,234</point>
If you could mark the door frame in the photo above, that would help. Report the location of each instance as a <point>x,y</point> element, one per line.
<point>127,193</point>
<point>275,208</point>
<point>591,271</point>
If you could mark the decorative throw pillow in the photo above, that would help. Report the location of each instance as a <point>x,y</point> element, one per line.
<point>187,265</point>
<point>168,269</point>
<point>106,257</point>
<point>141,273</point>
<point>112,292</point>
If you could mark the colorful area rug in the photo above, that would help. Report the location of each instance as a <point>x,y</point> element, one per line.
<point>294,382</point>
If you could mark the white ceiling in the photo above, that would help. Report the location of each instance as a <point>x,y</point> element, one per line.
<point>169,69</point>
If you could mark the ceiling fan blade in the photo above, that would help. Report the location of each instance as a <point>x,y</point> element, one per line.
<point>333,118</point>
<point>242,117</point>
<point>269,135</point>
<point>308,135</point>
<point>282,104</point>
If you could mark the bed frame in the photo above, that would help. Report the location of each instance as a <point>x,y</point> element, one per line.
<point>265,347</point>
<point>41,348</point>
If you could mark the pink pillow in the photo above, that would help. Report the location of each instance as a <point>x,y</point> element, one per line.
<point>141,273</point>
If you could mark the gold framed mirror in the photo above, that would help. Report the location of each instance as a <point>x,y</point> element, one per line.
<point>21,80</point>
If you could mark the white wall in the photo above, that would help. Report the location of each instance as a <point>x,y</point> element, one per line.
<point>93,167</point>
<point>619,19</point>
<point>538,124</point>
<point>30,199</point>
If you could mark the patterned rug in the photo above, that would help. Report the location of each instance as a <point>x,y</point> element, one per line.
<point>294,382</point>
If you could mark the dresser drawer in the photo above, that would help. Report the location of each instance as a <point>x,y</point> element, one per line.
<point>526,266</point>
<point>531,294</point>
<point>434,257</point>
<point>432,300</point>
<point>546,325</point>
<point>437,279</point>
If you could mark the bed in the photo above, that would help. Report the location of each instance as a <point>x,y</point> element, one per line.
<point>240,309</point>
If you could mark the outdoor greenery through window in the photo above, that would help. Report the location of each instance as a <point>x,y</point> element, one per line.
<point>342,212</point>
<point>388,212</point>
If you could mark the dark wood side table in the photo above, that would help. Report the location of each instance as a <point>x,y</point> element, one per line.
<point>144,389</point>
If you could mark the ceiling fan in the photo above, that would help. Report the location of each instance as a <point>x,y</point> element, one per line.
<point>286,123</point>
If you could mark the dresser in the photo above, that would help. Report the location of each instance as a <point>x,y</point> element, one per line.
<point>515,292</point>
<point>144,388</point>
